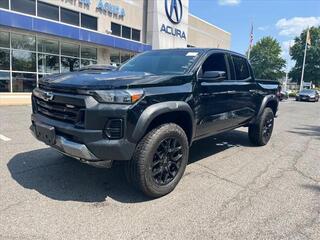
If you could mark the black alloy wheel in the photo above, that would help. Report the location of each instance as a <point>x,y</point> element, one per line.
<point>260,132</point>
<point>159,161</point>
<point>267,127</point>
<point>166,161</point>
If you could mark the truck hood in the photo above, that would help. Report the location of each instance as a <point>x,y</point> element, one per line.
<point>110,80</point>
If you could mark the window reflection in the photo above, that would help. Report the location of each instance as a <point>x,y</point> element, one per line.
<point>48,46</point>
<point>69,16</point>
<point>85,62</point>
<point>33,56</point>
<point>24,6</point>
<point>69,49</point>
<point>115,57</point>
<point>4,59</point>
<point>88,52</point>
<point>125,56</point>
<point>23,82</point>
<point>48,63</point>
<point>4,4</point>
<point>23,61</point>
<point>69,64</point>
<point>25,42</point>
<point>4,40</point>
<point>4,82</point>
<point>47,10</point>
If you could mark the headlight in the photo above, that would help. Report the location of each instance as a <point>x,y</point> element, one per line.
<point>118,96</point>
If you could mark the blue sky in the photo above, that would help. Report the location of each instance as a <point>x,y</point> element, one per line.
<point>282,19</point>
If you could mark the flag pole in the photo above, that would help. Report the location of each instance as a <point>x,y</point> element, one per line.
<point>250,42</point>
<point>304,61</point>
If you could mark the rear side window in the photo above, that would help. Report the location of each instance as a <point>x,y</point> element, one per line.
<point>241,68</point>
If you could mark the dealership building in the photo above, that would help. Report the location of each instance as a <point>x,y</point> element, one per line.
<point>41,37</point>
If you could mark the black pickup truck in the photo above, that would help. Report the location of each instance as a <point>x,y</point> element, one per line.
<point>150,111</point>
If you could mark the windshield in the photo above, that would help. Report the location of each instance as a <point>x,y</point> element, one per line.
<point>159,62</point>
<point>308,91</point>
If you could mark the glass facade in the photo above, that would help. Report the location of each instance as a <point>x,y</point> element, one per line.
<point>4,4</point>
<point>24,6</point>
<point>5,82</point>
<point>89,22</point>
<point>118,57</point>
<point>25,58</point>
<point>69,16</point>
<point>50,11</point>
<point>125,32</point>
<point>47,10</point>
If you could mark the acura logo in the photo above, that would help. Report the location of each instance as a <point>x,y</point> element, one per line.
<point>174,10</point>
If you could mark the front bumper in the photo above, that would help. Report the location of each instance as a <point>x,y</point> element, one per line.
<point>307,98</point>
<point>89,146</point>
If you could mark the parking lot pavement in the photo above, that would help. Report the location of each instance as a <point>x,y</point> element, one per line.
<point>230,190</point>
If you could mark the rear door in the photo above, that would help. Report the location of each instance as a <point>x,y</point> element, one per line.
<point>243,90</point>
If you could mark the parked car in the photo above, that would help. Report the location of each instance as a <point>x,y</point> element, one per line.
<point>309,95</point>
<point>284,95</point>
<point>150,111</point>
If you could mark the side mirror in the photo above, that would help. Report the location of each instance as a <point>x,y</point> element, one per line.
<point>213,75</point>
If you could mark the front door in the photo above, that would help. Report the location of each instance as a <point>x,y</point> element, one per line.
<point>215,102</point>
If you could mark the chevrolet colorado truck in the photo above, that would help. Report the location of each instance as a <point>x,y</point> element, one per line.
<point>149,111</point>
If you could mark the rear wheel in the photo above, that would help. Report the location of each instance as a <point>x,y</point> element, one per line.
<point>260,132</point>
<point>159,160</point>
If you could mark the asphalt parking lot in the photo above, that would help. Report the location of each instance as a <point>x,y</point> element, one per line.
<point>230,190</point>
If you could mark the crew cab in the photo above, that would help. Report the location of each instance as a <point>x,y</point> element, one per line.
<point>149,111</point>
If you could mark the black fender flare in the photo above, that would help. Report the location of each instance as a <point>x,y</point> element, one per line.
<point>155,110</point>
<point>265,101</point>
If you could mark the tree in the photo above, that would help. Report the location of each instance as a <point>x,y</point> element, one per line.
<point>266,60</point>
<point>312,67</point>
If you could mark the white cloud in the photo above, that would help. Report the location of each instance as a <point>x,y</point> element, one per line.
<point>285,53</point>
<point>285,45</point>
<point>229,2</point>
<point>263,28</point>
<point>294,26</point>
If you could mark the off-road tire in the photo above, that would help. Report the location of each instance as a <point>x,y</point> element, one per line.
<point>139,168</point>
<point>257,131</point>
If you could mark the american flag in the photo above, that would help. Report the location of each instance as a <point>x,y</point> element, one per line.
<point>308,39</point>
<point>251,37</point>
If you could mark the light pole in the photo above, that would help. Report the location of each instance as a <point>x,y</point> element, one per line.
<point>304,58</point>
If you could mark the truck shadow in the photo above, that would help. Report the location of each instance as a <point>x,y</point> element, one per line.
<point>307,130</point>
<point>65,179</point>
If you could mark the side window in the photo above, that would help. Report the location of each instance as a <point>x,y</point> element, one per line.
<point>241,68</point>
<point>215,62</point>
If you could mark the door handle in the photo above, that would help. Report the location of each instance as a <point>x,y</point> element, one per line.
<point>252,91</point>
<point>231,92</point>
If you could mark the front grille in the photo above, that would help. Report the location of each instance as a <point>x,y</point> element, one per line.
<point>63,112</point>
<point>114,129</point>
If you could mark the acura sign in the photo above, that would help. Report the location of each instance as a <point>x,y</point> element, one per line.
<point>174,12</point>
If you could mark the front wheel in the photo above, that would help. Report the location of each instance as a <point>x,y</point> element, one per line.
<point>260,132</point>
<point>159,160</point>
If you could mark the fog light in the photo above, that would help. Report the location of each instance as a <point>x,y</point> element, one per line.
<point>114,129</point>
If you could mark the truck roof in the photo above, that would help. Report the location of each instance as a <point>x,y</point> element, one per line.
<point>204,50</point>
